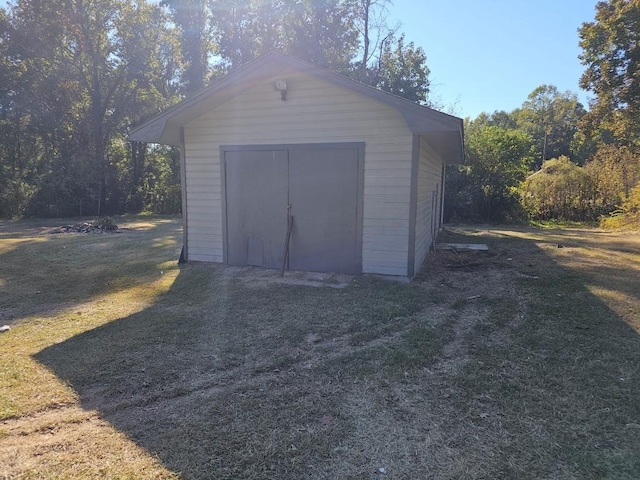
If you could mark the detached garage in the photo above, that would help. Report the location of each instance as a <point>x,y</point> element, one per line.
<point>357,174</point>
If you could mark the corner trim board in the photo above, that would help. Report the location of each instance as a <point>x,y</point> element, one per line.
<point>183,185</point>
<point>443,177</point>
<point>413,205</point>
<point>223,204</point>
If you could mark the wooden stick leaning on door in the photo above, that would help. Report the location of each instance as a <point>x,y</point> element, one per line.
<point>285,255</point>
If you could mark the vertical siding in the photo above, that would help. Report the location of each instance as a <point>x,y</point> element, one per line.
<point>314,112</point>
<point>428,212</point>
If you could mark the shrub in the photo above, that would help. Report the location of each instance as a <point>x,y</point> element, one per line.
<point>627,215</point>
<point>560,190</point>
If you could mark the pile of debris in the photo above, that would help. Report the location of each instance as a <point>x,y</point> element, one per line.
<point>99,225</point>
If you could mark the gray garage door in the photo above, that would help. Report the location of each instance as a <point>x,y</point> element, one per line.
<point>322,184</point>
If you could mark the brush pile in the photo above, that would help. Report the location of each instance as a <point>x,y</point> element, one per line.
<point>99,225</point>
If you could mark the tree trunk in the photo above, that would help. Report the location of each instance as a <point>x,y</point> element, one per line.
<point>138,156</point>
<point>366,5</point>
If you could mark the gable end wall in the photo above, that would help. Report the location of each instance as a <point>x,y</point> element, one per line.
<point>314,112</point>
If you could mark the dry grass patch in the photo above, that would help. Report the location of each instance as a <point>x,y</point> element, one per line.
<point>70,442</point>
<point>518,362</point>
<point>53,288</point>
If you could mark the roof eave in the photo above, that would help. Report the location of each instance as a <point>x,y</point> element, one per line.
<point>421,120</point>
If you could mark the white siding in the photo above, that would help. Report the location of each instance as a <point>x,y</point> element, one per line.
<point>314,112</point>
<point>429,200</point>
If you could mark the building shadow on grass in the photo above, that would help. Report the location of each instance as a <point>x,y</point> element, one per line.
<point>224,379</point>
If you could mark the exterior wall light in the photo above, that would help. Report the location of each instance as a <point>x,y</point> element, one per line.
<point>281,86</point>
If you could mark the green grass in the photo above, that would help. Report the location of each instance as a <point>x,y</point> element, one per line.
<point>521,362</point>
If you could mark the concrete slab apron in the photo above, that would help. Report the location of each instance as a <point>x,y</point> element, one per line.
<point>256,276</point>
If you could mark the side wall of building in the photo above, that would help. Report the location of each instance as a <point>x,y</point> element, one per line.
<point>429,202</point>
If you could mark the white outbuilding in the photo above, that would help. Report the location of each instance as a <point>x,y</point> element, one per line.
<point>360,172</point>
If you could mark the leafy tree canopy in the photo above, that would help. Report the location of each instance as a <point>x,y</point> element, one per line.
<point>551,118</point>
<point>401,70</point>
<point>611,54</point>
<point>497,161</point>
<point>191,17</point>
<point>318,31</point>
<point>78,73</point>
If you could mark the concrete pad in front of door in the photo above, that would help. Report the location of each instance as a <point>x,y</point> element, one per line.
<point>462,247</point>
<point>263,276</point>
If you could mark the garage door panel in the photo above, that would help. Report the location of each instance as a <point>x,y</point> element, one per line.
<point>322,185</point>
<point>324,196</point>
<point>256,200</point>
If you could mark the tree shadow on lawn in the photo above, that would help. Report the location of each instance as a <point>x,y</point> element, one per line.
<point>571,377</point>
<point>43,274</point>
<point>606,264</point>
<point>222,379</point>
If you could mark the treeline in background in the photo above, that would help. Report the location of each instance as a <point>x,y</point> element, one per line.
<point>76,75</point>
<point>552,159</point>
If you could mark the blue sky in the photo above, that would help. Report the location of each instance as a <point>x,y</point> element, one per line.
<point>488,55</point>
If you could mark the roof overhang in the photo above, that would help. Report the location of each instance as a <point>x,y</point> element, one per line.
<point>443,132</point>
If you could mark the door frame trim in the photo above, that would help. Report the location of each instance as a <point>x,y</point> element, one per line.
<point>359,146</point>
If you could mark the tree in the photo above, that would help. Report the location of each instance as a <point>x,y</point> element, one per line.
<point>551,118</point>
<point>10,198</point>
<point>374,30</point>
<point>401,70</point>
<point>80,73</point>
<point>627,214</point>
<point>36,113</point>
<point>615,171</point>
<point>611,54</point>
<point>334,34</point>
<point>504,119</point>
<point>321,32</point>
<point>75,75</point>
<point>318,31</point>
<point>191,17</point>
<point>486,187</point>
<point>499,118</point>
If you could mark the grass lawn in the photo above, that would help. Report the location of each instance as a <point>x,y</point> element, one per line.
<point>522,362</point>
